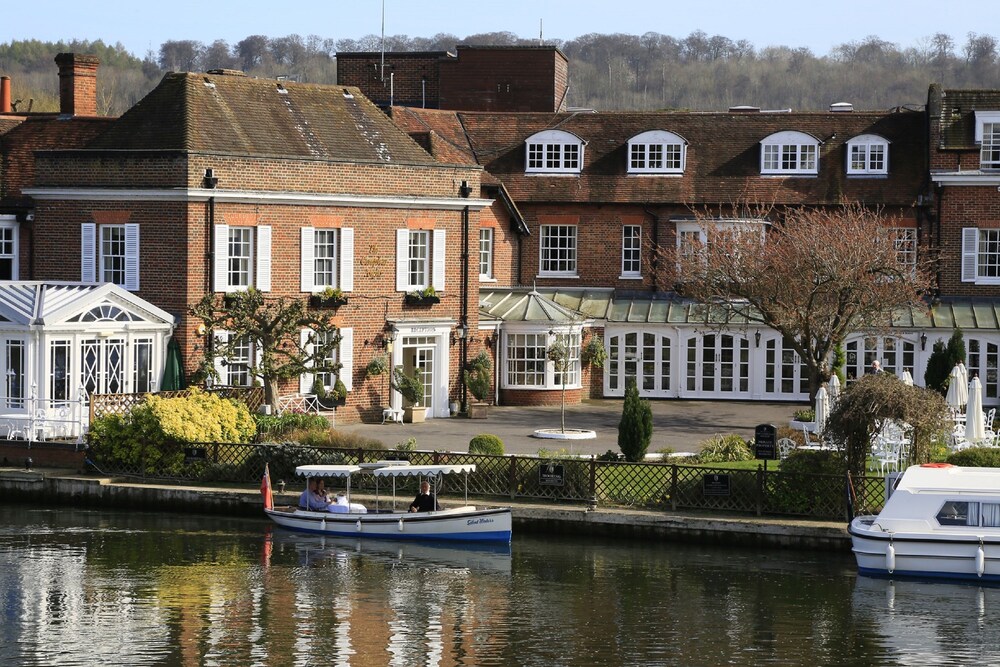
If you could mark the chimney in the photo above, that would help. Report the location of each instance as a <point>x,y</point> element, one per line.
<point>77,84</point>
<point>4,94</point>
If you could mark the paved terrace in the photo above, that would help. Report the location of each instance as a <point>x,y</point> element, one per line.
<point>677,424</point>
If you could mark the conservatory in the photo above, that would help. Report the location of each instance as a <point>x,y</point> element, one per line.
<point>62,342</point>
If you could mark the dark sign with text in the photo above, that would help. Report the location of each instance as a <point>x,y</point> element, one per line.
<point>765,442</point>
<point>552,474</point>
<point>716,485</point>
<point>195,453</point>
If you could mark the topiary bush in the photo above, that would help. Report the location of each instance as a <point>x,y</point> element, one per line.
<point>635,430</point>
<point>723,448</point>
<point>486,443</point>
<point>977,457</point>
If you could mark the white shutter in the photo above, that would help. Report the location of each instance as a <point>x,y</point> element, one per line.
<point>221,278</point>
<point>346,260</point>
<point>346,357</point>
<point>307,266</point>
<point>402,259</point>
<point>88,248</point>
<point>306,379</point>
<point>438,250</point>
<point>970,237</point>
<point>263,278</point>
<point>221,337</point>
<point>132,257</point>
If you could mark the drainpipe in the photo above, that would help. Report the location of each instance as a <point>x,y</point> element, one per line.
<point>463,344</point>
<point>654,263</point>
<point>210,181</point>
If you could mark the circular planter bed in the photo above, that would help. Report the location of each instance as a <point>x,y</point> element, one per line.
<point>568,434</point>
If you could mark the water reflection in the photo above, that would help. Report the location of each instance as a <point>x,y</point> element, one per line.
<point>83,588</point>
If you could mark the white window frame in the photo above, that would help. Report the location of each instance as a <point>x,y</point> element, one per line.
<point>93,258</point>
<point>344,354</point>
<point>111,253</point>
<point>519,366</point>
<point>9,235</point>
<point>553,152</point>
<point>988,138</point>
<point>656,152</point>
<point>546,250</point>
<point>631,251</point>
<point>435,260</point>
<point>258,261</point>
<point>343,259</point>
<point>979,253</point>
<point>866,147</point>
<point>801,148</point>
<point>486,245</point>
<point>904,242</point>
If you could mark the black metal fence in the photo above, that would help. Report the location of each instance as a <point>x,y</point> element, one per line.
<point>640,485</point>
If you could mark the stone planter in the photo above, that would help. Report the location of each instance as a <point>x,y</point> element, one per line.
<point>478,410</point>
<point>415,415</point>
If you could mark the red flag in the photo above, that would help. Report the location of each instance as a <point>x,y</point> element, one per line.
<point>265,489</point>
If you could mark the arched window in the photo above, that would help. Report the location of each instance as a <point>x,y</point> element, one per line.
<point>867,154</point>
<point>657,152</point>
<point>789,153</point>
<point>554,152</point>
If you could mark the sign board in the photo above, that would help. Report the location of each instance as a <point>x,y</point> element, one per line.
<point>765,442</point>
<point>195,454</point>
<point>552,474</point>
<point>716,485</point>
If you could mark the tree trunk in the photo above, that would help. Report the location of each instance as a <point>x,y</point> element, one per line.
<point>562,415</point>
<point>271,393</point>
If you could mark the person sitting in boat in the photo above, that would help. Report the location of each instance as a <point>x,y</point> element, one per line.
<point>340,504</point>
<point>313,499</point>
<point>425,500</point>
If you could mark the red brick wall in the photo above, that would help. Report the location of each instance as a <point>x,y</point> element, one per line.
<point>414,77</point>
<point>538,396</point>
<point>496,79</point>
<point>964,206</point>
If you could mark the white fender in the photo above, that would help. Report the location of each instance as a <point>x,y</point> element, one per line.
<point>400,524</point>
<point>358,525</point>
<point>322,524</point>
<point>980,560</point>
<point>890,558</point>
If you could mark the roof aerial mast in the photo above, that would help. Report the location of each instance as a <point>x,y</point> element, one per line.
<point>381,72</point>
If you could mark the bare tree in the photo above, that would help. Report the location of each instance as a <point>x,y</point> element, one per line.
<point>816,277</point>
<point>181,56</point>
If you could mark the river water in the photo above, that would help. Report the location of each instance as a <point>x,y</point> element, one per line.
<point>82,587</point>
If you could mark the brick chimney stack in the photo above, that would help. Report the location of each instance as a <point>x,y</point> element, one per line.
<point>77,84</point>
<point>5,94</point>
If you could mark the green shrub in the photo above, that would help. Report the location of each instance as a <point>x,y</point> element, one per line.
<point>724,448</point>
<point>277,427</point>
<point>331,438</point>
<point>610,455</point>
<point>486,443</point>
<point>478,378</point>
<point>804,415</point>
<point>815,462</point>
<point>977,457</point>
<point>635,430</point>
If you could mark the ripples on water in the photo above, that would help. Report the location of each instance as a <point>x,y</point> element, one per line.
<point>103,588</point>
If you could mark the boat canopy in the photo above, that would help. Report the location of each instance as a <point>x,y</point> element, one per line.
<point>411,471</point>
<point>326,471</point>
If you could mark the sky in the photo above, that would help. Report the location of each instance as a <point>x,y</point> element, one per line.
<point>818,26</point>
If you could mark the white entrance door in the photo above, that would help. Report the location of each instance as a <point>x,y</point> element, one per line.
<point>642,357</point>
<point>103,365</point>
<point>718,365</point>
<point>894,354</point>
<point>785,376</point>
<point>418,360</point>
<point>984,359</point>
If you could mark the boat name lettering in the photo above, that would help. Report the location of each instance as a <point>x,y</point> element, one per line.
<point>474,522</point>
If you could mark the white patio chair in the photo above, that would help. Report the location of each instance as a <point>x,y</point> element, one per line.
<point>785,447</point>
<point>989,419</point>
<point>888,458</point>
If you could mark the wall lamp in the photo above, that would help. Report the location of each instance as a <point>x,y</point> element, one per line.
<point>756,338</point>
<point>460,333</point>
<point>923,341</point>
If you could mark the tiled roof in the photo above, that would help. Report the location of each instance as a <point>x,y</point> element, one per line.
<point>260,117</point>
<point>723,155</point>
<point>958,122</point>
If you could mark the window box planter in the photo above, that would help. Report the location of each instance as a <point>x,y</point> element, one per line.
<point>329,403</point>
<point>421,300</point>
<point>319,301</point>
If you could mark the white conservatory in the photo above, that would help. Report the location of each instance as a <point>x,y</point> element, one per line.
<point>62,342</point>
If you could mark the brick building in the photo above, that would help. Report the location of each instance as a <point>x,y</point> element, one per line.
<point>216,182</point>
<point>475,78</point>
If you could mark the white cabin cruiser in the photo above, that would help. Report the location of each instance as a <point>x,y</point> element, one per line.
<point>465,523</point>
<point>940,521</point>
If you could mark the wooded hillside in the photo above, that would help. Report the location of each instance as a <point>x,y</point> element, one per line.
<point>624,72</point>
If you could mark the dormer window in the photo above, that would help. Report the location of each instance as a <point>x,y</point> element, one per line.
<point>656,152</point>
<point>867,154</point>
<point>988,138</point>
<point>554,152</point>
<point>789,152</point>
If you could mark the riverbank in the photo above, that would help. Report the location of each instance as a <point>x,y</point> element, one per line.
<point>68,487</point>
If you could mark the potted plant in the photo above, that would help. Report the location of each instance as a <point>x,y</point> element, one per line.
<point>330,297</point>
<point>477,379</point>
<point>330,399</point>
<point>424,297</point>
<point>593,352</point>
<point>411,387</point>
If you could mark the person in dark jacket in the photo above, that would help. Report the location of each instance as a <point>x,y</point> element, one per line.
<point>425,500</point>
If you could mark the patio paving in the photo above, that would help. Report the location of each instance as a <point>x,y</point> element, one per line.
<point>677,424</point>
